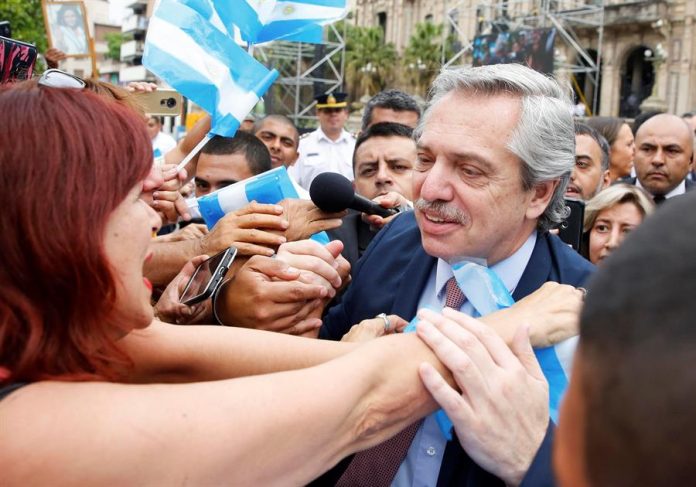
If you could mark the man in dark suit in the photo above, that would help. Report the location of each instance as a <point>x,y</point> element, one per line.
<point>664,152</point>
<point>495,151</point>
<point>383,163</point>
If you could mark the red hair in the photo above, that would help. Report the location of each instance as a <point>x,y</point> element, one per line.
<point>68,159</point>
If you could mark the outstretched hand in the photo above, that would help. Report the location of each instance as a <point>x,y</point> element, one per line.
<point>501,414</point>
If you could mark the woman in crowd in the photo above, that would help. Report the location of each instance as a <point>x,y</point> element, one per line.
<point>93,391</point>
<point>618,134</point>
<point>76,333</point>
<point>611,215</point>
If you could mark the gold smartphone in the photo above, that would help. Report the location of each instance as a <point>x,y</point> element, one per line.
<point>160,102</point>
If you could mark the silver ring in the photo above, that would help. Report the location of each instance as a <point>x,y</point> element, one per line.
<point>387,323</point>
<point>582,290</point>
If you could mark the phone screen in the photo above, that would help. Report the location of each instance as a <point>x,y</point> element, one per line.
<point>570,230</point>
<point>16,60</point>
<point>202,279</point>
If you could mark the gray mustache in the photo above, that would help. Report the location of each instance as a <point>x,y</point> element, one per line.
<point>443,210</point>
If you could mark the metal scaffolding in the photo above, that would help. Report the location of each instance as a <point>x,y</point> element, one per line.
<point>571,19</point>
<point>305,70</point>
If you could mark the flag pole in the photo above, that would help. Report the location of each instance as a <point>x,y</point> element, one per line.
<point>194,152</point>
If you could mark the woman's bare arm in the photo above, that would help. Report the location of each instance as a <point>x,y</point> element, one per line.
<point>277,429</point>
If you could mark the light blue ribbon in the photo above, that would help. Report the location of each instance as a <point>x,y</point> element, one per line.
<point>487,293</point>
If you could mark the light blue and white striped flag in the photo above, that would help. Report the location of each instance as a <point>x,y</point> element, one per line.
<point>268,20</point>
<point>187,50</point>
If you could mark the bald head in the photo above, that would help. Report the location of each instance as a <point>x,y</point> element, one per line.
<point>664,148</point>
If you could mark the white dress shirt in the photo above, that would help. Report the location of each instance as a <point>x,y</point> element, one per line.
<point>679,190</point>
<point>318,154</point>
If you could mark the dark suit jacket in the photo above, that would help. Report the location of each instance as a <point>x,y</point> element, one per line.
<point>390,278</point>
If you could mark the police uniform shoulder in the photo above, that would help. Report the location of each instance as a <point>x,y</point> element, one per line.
<point>305,135</point>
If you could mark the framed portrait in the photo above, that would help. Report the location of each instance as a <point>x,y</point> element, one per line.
<point>66,27</point>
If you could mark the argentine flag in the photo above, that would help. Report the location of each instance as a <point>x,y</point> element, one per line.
<point>268,20</point>
<point>269,187</point>
<point>189,52</point>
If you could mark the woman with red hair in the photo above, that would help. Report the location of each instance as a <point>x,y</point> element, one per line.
<point>74,300</point>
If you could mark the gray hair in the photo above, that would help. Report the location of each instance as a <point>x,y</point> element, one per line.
<point>396,100</point>
<point>544,139</point>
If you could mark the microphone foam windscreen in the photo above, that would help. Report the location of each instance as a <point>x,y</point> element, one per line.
<point>331,192</point>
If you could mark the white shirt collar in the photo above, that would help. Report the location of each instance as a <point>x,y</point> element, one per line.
<point>510,270</point>
<point>343,138</point>
<point>679,190</point>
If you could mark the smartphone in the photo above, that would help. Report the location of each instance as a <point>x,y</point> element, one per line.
<point>16,60</point>
<point>5,29</point>
<point>570,229</point>
<point>160,102</point>
<point>208,277</point>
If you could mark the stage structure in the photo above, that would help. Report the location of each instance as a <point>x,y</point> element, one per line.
<point>306,70</point>
<point>469,19</point>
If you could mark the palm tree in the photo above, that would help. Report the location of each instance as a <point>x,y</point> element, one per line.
<point>424,53</point>
<point>369,61</point>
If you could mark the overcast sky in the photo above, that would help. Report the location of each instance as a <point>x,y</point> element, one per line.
<point>117,10</point>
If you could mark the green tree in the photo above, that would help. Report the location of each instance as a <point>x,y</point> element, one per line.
<point>423,55</point>
<point>27,22</point>
<point>113,43</point>
<point>369,61</point>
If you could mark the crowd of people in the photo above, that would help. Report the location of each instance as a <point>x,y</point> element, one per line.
<point>107,377</point>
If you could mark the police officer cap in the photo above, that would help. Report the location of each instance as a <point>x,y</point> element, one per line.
<point>332,100</point>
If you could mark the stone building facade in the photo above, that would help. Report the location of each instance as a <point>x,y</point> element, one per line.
<point>648,47</point>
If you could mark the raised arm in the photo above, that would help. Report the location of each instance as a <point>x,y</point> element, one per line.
<point>277,429</point>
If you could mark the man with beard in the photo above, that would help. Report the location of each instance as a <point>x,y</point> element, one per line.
<point>591,172</point>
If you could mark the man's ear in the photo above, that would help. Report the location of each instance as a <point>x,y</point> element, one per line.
<point>606,180</point>
<point>294,160</point>
<point>542,194</point>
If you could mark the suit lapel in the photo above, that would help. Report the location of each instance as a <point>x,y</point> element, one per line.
<point>537,271</point>
<point>414,280</point>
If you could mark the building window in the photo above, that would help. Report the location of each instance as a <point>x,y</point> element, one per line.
<point>382,22</point>
<point>429,18</point>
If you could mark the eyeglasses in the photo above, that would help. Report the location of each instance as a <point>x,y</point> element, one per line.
<point>55,78</point>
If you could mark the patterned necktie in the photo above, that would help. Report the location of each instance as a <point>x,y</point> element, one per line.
<point>377,466</point>
<point>454,297</point>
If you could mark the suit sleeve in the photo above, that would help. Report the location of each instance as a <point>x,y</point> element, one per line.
<point>339,319</point>
<point>540,473</point>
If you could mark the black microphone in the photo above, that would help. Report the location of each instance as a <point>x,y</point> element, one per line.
<point>333,192</point>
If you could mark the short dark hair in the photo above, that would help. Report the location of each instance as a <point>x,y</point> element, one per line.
<point>637,338</point>
<point>584,129</point>
<point>688,115</point>
<point>383,129</point>
<point>395,100</point>
<point>278,118</point>
<point>256,154</point>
